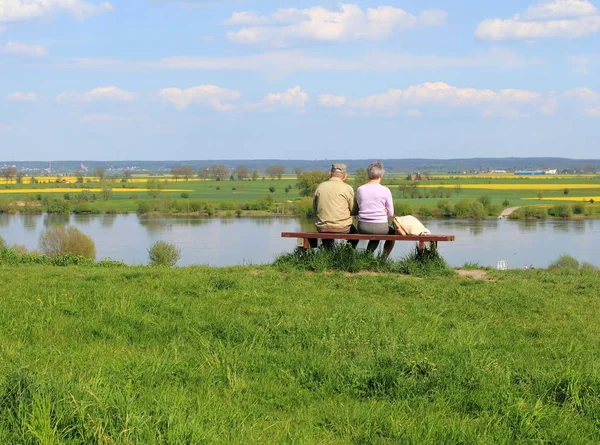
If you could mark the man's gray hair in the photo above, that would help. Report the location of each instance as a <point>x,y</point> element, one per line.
<point>375,170</point>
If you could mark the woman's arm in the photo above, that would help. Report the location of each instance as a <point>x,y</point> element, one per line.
<point>389,203</point>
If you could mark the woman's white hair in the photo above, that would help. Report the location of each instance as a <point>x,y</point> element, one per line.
<point>375,170</point>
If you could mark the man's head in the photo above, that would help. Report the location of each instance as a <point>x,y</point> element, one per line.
<point>338,171</point>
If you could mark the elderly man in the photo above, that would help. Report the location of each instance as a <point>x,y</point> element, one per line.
<point>334,205</point>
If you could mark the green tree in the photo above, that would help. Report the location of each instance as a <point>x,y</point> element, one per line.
<point>176,173</point>
<point>9,173</point>
<point>254,175</point>
<point>107,191</point>
<point>275,171</point>
<point>241,172</point>
<point>360,177</point>
<point>309,181</point>
<point>187,171</point>
<point>99,172</point>
<point>155,187</point>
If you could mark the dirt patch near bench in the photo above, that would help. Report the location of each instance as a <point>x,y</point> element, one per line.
<point>475,274</point>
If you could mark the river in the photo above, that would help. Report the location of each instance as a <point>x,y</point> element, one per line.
<point>246,241</point>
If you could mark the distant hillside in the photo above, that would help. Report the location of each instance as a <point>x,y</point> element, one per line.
<point>392,165</point>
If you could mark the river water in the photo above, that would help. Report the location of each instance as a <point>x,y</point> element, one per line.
<point>245,241</point>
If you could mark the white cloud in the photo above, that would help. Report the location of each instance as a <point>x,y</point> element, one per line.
<point>350,22</point>
<point>281,63</point>
<point>207,95</point>
<point>96,118</point>
<point>21,10</point>
<point>5,127</point>
<point>438,94</point>
<point>21,49</point>
<point>294,99</point>
<point>332,101</point>
<point>22,97</point>
<point>556,18</point>
<point>583,94</point>
<point>100,94</point>
<point>550,106</point>
<point>586,97</point>
<point>414,113</point>
<point>223,99</point>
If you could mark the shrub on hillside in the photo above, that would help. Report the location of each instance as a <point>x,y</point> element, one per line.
<point>561,211</point>
<point>162,253</point>
<point>564,262</point>
<point>63,240</point>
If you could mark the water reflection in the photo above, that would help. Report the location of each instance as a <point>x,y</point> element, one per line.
<point>231,241</point>
<point>108,220</point>
<point>30,221</point>
<point>83,219</point>
<point>56,219</point>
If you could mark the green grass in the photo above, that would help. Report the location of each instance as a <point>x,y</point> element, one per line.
<point>261,355</point>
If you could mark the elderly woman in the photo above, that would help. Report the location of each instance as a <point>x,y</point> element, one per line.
<point>375,206</point>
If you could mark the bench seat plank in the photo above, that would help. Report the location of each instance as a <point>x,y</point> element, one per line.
<point>359,237</point>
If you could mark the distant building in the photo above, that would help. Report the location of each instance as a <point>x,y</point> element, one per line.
<point>551,172</point>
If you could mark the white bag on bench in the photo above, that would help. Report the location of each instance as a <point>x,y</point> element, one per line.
<point>409,225</point>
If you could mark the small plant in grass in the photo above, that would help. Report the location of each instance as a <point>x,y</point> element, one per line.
<point>162,253</point>
<point>63,240</point>
<point>272,189</point>
<point>564,262</point>
<point>506,203</point>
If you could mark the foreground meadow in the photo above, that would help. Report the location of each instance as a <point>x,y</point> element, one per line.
<point>268,355</point>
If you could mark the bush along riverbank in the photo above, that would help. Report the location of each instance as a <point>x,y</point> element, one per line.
<point>481,207</point>
<point>296,353</point>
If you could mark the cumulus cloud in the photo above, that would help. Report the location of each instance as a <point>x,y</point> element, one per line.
<point>22,97</point>
<point>586,97</point>
<point>350,22</point>
<point>556,18</point>
<point>100,94</point>
<point>495,103</point>
<point>21,10</point>
<point>21,49</point>
<point>207,95</point>
<point>223,99</point>
<point>293,99</point>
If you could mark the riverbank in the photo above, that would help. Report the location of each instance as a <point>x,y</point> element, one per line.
<point>257,355</point>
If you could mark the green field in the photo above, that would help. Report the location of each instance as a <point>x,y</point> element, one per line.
<point>270,196</point>
<point>258,355</point>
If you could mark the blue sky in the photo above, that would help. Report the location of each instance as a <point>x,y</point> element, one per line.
<point>241,79</point>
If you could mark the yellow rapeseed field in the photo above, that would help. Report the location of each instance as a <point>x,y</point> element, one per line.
<point>92,190</point>
<point>536,186</point>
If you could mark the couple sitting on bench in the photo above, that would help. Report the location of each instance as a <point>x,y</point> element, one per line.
<point>334,205</point>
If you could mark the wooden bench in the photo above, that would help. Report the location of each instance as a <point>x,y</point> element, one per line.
<point>304,238</point>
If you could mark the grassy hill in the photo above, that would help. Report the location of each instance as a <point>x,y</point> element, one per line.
<point>262,355</point>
